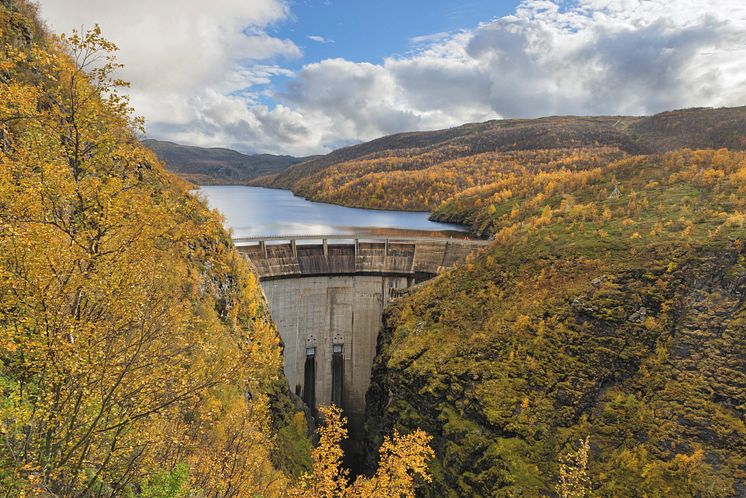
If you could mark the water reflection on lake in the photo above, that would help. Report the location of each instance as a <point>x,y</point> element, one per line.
<point>256,211</point>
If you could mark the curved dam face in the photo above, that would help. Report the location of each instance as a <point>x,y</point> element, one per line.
<point>328,298</point>
<point>329,325</point>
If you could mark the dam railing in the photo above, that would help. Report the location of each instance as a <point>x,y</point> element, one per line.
<point>281,256</point>
<point>403,238</point>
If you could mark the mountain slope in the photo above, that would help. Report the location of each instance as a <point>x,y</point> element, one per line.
<point>136,347</point>
<point>611,306</point>
<point>421,171</point>
<point>215,166</point>
<point>468,139</point>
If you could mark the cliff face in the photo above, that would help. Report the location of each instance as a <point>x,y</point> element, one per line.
<point>511,360</point>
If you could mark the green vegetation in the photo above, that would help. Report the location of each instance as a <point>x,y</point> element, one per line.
<point>610,307</point>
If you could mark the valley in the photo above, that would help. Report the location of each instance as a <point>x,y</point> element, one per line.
<point>548,307</point>
<point>217,166</point>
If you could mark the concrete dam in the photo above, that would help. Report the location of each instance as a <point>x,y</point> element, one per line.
<point>327,294</point>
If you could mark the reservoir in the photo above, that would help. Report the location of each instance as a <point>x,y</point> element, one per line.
<point>256,211</point>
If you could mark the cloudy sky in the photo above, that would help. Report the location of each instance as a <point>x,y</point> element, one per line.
<point>303,77</point>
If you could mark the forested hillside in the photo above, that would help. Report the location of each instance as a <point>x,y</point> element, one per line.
<point>135,343</point>
<point>137,355</point>
<point>424,170</point>
<point>217,166</point>
<point>609,309</point>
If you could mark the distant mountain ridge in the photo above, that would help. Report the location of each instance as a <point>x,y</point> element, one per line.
<point>695,128</point>
<point>216,166</point>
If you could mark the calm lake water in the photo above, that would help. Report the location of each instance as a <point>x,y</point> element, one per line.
<point>256,211</point>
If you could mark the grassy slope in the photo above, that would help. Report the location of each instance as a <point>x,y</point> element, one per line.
<point>618,316</point>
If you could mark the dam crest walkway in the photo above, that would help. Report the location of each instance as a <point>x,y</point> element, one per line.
<point>297,256</point>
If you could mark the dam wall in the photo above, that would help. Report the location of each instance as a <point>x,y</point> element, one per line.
<point>332,322</point>
<point>327,296</point>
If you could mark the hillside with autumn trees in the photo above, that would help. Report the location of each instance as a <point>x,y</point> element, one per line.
<point>610,308</point>
<point>596,348</point>
<point>137,354</point>
<point>422,171</point>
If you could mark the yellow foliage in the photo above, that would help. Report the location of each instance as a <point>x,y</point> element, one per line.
<point>523,323</point>
<point>328,478</point>
<point>131,332</point>
<point>403,459</point>
<point>736,219</point>
<point>574,481</point>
